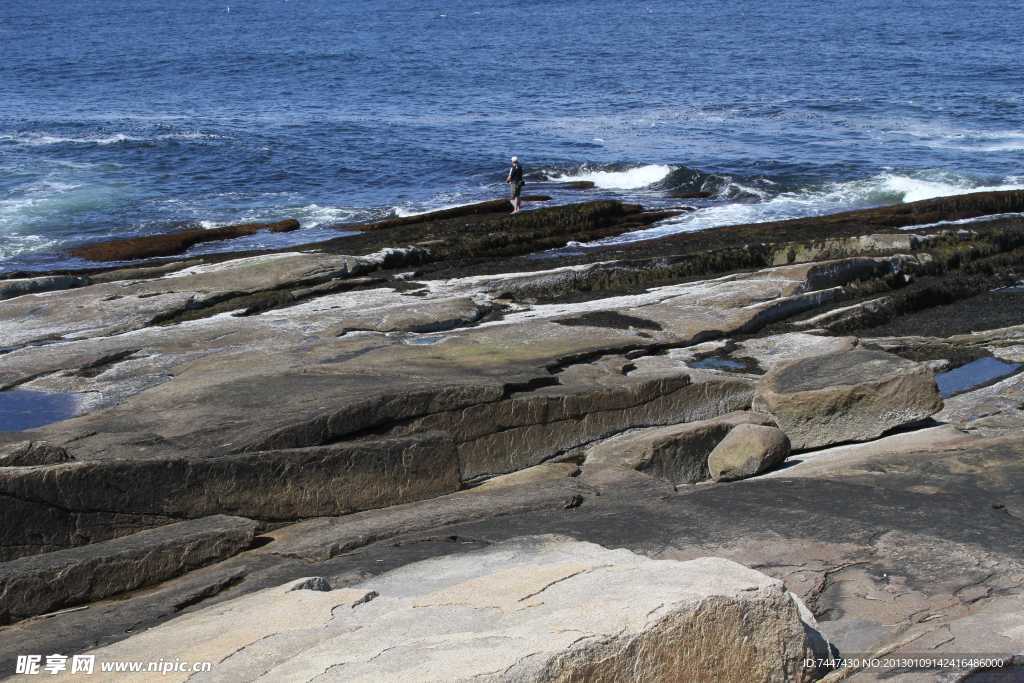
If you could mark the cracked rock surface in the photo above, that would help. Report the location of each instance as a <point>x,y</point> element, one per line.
<point>534,609</point>
<point>436,388</point>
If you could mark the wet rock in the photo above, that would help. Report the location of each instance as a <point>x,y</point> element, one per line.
<point>150,246</point>
<point>676,453</point>
<point>497,234</point>
<point>493,206</point>
<point>576,185</point>
<point>32,453</point>
<point>869,221</point>
<point>691,194</point>
<point>35,585</point>
<point>748,450</point>
<point>846,396</point>
<point>534,609</point>
<point>19,286</point>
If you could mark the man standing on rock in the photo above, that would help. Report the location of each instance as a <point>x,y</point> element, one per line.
<point>515,180</point>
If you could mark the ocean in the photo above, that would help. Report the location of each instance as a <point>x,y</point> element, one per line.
<point>120,118</point>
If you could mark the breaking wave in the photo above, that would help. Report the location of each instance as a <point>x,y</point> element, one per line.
<point>609,179</point>
<point>879,190</point>
<point>676,181</point>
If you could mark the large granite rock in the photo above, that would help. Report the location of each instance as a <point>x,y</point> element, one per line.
<point>279,384</point>
<point>747,450</point>
<point>35,585</point>
<point>534,609</point>
<point>847,396</point>
<point>111,308</point>
<point>88,501</point>
<point>677,453</point>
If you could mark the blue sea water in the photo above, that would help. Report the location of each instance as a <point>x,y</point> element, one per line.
<point>122,117</point>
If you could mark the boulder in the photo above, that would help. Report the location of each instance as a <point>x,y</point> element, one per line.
<point>846,396</point>
<point>530,609</point>
<point>39,584</point>
<point>747,450</point>
<point>677,453</point>
<point>32,453</point>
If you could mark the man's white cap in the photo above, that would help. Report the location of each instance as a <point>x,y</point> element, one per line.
<point>515,158</point>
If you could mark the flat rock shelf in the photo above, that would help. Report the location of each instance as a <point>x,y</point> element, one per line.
<point>447,446</point>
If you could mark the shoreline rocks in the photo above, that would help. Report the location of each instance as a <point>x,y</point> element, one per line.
<point>300,390</point>
<point>43,583</point>
<point>676,453</point>
<point>852,395</point>
<point>84,502</point>
<point>535,609</point>
<point>174,243</point>
<point>493,206</point>
<point>13,287</point>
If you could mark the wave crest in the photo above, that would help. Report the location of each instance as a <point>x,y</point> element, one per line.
<point>635,178</point>
<point>878,190</point>
<point>688,182</point>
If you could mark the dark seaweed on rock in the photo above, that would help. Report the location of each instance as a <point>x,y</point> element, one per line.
<point>859,222</point>
<point>500,234</point>
<point>171,244</point>
<point>494,206</point>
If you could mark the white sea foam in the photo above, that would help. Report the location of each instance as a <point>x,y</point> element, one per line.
<point>48,200</point>
<point>879,190</point>
<point>12,245</point>
<point>910,189</point>
<point>966,221</point>
<point>629,179</point>
<point>29,211</point>
<point>309,216</point>
<point>314,215</point>
<point>405,211</point>
<point>966,139</point>
<point>40,139</point>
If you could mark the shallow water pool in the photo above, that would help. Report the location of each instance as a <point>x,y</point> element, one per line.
<point>22,409</point>
<point>974,374</point>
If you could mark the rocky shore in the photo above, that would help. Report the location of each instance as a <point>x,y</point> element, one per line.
<point>718,454</point>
